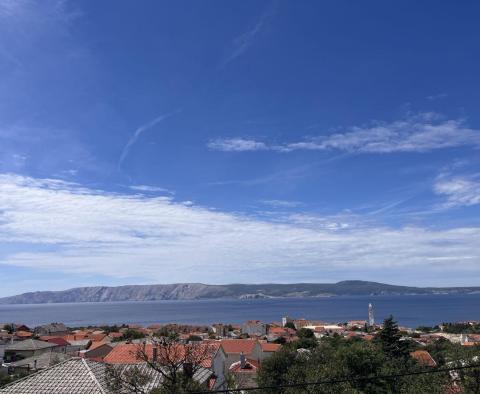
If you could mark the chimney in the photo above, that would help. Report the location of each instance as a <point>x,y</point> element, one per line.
<point>35,365</point>
<point>243,361</point>
<point>154,354</point>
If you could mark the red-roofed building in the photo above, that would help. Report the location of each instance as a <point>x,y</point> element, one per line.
<point>128,353</point>
<point>423,358</point>
<point>254,328</point>
<point>268,349</point>
<point>115,335</point>
<point>23,334</point>
<point>356,323</point>
<point>58,340</point>
<point>233,348</point>
<point>275,333</point>
<point>63,345</point>
<point>244,372</point>
<point>98,351</point>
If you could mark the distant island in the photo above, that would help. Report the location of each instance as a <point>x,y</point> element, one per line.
<point>198,291</point>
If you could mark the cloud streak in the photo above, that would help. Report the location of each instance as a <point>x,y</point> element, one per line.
<point>244,41</point>
<point>138,132</point>
<point>150,189</point>
<point>54,225</point>
<point>420,133</point>
<point>236,145</point>
<point>459,190</point>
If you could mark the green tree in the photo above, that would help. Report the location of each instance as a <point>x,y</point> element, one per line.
<point>290,324</point>
<point>9,328</point>
<point>274,371</point>
<point>391,340</point>
<point>129,335</point>
<point>305,333</point>
<point>336,358</point>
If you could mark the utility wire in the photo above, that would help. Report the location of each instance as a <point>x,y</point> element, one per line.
<point>340,380</point>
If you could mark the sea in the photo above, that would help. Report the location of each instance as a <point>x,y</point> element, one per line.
<point>408,310</point>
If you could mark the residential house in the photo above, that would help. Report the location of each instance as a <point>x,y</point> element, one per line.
<point>76,346</point>
<point>128,353</point>
<point>244,372</point>
<point>356,324</point>
<point>27,348</point>
<point>220,330</point>
<point>233,348</point>
<point>300,323</point>
<point>36,363</point>
<point>23,334</point>
<point>254,328</point>
<point>276,333</point>
<point>54,329</point>
<point>268,349</point>
<point>423,358</point>
<point>63,345</point>
<point>115,335</point>
<point>98,351</point>
<point>81,376</point>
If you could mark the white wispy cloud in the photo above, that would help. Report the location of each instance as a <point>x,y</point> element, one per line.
<point>138,132</point>
<point>282,203</point>
<point>459,190</point>
<point>25,24</point>
<point>55,225</point>
<point>150,189</point>
<point>438,96</point>
<point>22,145</point>
<point>419,133</point>
<point>244,41</point>
<point>236,145</point>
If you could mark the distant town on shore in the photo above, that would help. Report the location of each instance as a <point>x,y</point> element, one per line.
<point>222,356</point>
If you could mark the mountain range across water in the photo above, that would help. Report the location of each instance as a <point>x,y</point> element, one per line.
<point>198,291</point>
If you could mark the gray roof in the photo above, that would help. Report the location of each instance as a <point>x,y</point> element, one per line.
<point>76,375</point>
<point>29,344</point>
<point>52,327</point>
<point>80,342</point>
<point>43,360</point>
<point>81,376</point>
<point>201,375</point>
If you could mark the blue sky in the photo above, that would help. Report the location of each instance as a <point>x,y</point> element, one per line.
<point>252,141</point>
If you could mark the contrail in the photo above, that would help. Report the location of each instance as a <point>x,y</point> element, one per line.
<point>138,132</point>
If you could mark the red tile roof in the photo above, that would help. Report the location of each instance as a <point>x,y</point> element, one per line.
<point>129,353</point>
<point>58,341</point>
<point>47,337</point>
<point>423,358</point>
<point>96,344</point>
<point>23,334</point>
<point>270,347</point>
<point>238,345</point>
<point>96,337</point>
<point>251,366</point>
<point>281,331</point>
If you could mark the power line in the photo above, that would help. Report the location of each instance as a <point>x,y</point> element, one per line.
<point>340,380</point>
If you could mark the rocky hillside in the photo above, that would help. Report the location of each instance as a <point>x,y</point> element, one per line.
<point>195,291</point>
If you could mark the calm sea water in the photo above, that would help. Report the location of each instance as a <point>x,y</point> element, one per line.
<point>410,311</point>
